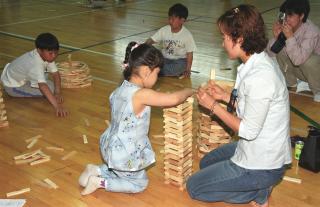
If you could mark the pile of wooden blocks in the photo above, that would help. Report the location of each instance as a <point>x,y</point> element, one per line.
<point>211,134</point>
<point>178,143</point>
<point>33,158</point>
<point>74,74</point>
<point>3,116</point>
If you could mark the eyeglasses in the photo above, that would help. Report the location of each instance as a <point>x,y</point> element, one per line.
<point>232,101</point>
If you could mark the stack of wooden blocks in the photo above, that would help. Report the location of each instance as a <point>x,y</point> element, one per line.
<point>3,116</point>
<point>178,143</point>
<point>210,135</point>
<point>74,74</point>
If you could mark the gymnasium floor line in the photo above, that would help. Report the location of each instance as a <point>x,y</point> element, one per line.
<point>69,47</point>
<point>304,116</point>
<point>73,14</point>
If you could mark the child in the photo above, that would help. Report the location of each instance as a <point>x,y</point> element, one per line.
<point>25,76</point>
<point>124,146</point>
<point>177,43</point>
<point>299,59</point>
<point>246,170</point>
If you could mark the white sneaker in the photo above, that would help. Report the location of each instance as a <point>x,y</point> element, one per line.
<point>316,97</point>
<point>302,86</point>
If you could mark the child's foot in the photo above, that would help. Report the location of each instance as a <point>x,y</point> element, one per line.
<point>93,184</point>
<point>255,204</point>
<point>90,170</point>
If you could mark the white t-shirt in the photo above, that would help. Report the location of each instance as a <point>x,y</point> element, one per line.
<point>263,106</point>
<point>28,67</point>
<point>174,45</point>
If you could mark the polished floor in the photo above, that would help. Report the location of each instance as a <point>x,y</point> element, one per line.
<point>99,37</point>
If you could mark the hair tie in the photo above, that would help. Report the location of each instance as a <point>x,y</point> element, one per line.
<point>134,47</point>
<point>236,10</point>
<point>124,66</point>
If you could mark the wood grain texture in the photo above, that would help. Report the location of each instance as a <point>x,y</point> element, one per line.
<point>98,37</point>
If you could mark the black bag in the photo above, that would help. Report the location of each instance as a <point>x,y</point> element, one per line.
<point>310,154</point>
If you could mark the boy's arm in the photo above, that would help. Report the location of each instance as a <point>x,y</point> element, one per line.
<point>150,41</point>
<point>187,72</point>
<point>45,90</point>
<point>57,87</point>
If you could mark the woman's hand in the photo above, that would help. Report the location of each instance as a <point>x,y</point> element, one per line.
<point>217,92</point>
<point>204,99</point>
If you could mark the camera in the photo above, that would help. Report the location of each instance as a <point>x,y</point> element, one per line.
<point>281,40</point>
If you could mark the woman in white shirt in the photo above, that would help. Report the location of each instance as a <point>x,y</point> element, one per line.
<point>245,171</point>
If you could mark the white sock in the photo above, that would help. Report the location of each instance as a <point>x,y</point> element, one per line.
<point>90,170</point>
<point>93,184</point>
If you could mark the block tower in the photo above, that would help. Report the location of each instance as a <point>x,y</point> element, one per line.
<point>211,134</point>
<point>178,143</point>
<point>3,116</point>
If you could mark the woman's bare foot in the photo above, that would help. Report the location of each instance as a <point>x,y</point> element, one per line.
<point>255,204</point>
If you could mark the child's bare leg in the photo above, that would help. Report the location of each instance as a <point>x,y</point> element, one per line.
<point>90,170</point>
<point>93,184</point>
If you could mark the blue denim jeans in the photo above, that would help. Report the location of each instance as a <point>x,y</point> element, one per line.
<point>219,179</point>
<point>173,67</point>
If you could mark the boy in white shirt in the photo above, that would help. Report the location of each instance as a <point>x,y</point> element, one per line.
<point>177,43</point>
<point>25,76</point>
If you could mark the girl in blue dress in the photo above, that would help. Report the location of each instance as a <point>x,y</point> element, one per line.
<point>125,146</point>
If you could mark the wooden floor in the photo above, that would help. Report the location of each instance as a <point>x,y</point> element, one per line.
<point>99,37</point>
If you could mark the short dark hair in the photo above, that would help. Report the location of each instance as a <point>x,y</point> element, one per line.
<point>245,21</point>
<point>47,41</point>
<point>141,55</point>
<point>178,10</point>
<point>296,7</point>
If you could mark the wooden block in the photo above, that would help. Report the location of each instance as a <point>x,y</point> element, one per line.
<point>85,139</point>
<point>27,155</point>
<point>33,138</point>
<point>50,183</point>
<point>67,156</point>
<point>14,193</point>
<point>86,121</point>
<point>158,136</point>
<point>212,74</point>
<point>55,148</point>
<point>42,160</point>
<point>291,179</point>
<point>33,142</point>
<point>29,160</point>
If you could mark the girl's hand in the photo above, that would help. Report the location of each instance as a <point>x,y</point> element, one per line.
<point>204,99</point>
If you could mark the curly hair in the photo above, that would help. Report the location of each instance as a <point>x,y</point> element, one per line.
<point>244,21</point>
<point>141,55</point>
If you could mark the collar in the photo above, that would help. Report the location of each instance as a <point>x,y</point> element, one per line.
<point>244,68</point>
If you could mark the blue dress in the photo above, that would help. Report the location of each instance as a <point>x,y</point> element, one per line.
<point>125,145</point>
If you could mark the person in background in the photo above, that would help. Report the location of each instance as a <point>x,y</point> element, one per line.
<point>299,59</point>
<point>177,43</point>
<point>26,75</point>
